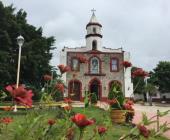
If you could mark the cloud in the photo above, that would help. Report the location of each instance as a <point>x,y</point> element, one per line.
<point>139,26</point>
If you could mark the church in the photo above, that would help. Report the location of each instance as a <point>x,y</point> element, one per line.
<point>94,68</point>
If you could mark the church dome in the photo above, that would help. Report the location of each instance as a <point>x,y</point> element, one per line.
<point>93,20</point>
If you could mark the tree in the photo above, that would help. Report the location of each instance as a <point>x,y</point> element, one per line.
<point>151,90</point>
<point>36,51</point>
<point>160,76</point>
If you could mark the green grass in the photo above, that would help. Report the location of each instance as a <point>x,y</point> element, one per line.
<point>114,132</point>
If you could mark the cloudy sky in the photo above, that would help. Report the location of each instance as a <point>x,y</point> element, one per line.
<point>141,27</point>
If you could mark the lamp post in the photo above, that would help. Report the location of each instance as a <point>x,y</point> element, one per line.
<point>20,41</point>
<point>146,83</point>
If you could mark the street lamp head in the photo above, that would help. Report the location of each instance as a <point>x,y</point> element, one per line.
<point>20,40</point>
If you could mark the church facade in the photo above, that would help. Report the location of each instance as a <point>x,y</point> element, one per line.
<point>94,68</point>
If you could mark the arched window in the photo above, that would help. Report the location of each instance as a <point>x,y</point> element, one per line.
<point>94,45</point>
<point>94,65</point>
<point>94,30</point>
<point>75,64</point>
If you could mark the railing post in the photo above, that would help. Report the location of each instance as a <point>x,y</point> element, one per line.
<point>157,120</point>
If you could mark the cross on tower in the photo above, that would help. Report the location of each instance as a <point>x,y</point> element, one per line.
<point>93,10</point>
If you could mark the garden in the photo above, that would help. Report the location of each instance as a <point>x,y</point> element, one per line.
<point>54,117</point>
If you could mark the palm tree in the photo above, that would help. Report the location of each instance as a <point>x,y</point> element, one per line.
<point>151,90</point>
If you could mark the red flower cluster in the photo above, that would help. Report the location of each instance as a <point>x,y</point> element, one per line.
<point>21,95</point>
<point>111,101</point>
<point>101,130</point>
<point>127,64</point>
<point>8,108</point>
<point>51,122</point>
<point>81,121</point>
<point>60,87</point>
<point>47,77</point>
<point>6,120</point>
<point>140,73</point>
<point>144,131</point>
<point>128,105</point>
<point>68,100</point>
<point>63,68</point>
<point>82,59</point>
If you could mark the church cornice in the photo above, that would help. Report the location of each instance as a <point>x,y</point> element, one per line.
<point>94,35</point>
<point>95,24</point>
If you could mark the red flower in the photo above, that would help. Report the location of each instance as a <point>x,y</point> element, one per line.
<point>140,73</point>
<point>47,77</point>
<point>101,130</point>
<point>60,87</point>
<point>67,108</point>
<point>144,131</point>
<point>21,95</point>
<point>82,59</point>
<point>68,100</point>
<point>6,120</point>
<point>130,102</point>
<point>111,101</point>
<point>63,68</point>
<point>81,121</point>
<point>127,106</point>
<point>51,122</point>
<point>126,64</point>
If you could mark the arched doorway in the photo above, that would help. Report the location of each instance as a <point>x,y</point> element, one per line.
<point>95,87</point>
<point>114,82</point>
<point>74,89</point>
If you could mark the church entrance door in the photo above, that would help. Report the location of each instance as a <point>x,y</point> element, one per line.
<point>95,88</point>
<point>75,90</point>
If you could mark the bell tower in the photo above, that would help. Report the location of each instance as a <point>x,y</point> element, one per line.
<point>94,35</point>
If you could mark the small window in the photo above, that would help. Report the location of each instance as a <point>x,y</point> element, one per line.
<point>94,45</point>
<point>94,30</point>
<point>94,65</point>
<point>114,64</point>
<point>75,64</point>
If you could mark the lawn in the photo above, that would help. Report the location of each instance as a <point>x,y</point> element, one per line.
<point>30,117</point>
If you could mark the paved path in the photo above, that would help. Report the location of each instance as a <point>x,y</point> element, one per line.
<point>151,111</point>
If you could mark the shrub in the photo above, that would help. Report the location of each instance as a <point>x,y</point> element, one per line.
<point>93,98</point>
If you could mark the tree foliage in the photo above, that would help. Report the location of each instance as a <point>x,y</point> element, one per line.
<point>160,76</point>
<point>36,51</point>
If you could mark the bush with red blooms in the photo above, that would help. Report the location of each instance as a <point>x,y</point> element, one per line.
<point>82,59</point>
<point>63,68</point>
<point>128,105</point>
<point>101,130</point>
<point>139,72</point>
<point>127,64</point>
<point>51,122</point>
<point>81,121</point>
<point>60,87</point>
<point>6,120</point>
<point>143,131</point>
<point>67,100</point>
<point>21,95</point>
<point>47,77</point>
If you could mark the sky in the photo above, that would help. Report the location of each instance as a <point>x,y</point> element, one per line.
<point>141,27</point>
